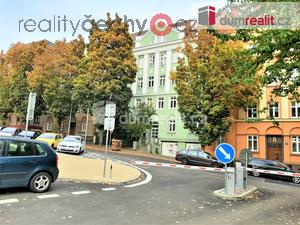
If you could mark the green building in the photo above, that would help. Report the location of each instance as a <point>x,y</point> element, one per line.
<point>156,58</point>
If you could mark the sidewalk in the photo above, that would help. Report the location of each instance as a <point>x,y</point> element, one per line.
<point>77,168</point>
<point>126,151</point>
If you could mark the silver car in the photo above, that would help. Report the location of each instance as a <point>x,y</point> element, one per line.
<point>71,144</point>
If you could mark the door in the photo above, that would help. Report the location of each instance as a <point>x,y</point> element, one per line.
<point>169,148</point>
<point>193,156</point>
<point>18,163</point>
<point>205,159</point>
<point>275,148</point>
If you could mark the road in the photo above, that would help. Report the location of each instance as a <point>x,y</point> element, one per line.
<point>174,196</point>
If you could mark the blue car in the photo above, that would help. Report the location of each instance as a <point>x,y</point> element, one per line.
<point>27,163</point>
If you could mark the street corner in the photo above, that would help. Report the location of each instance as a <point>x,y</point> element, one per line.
<point>74,168</point>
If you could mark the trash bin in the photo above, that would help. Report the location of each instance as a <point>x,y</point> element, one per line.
<point>116,145</point>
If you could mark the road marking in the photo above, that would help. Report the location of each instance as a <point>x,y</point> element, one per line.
<point>8,201</point>
<point>81,192</point>
<point>146,181</point>
<point>48,196</point>
<point>108,189</point>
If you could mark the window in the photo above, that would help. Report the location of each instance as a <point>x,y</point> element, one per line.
<point>161,103</point>
<point>151,82</point>
<point>172,125</point>
<point>253,143</point>
<point>2,145</point>
<point>138,103</point>
<point>274,110</point>
<point>296,144</point>
<point>163,59</point>
<point>154,130</point>
<point>83,125</point>
<point>193,153</point>
<point>149,102</point>
<point>173,102</point>
<point>140,82</point>
<point>159,39</point>
<point>140,61</point>
<point>162,80</point>
<point>252,112</point>
<point>37,119</point>
<point>17,148</point>
<point>151,60</point>
<point>295,109</point>
<point>49,126</point>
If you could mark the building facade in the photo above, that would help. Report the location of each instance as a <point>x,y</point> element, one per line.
<point>157,57</point>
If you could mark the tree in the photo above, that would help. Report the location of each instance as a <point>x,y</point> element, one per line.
<point>109,67</point>
<point>54,74</point>
<point>216,78</point>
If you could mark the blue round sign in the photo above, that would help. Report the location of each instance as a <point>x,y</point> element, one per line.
<point>225,153</point>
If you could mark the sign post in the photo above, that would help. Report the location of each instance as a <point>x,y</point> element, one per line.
<point>109,124</point>
<point>225,153</point>
<point>30,110</point>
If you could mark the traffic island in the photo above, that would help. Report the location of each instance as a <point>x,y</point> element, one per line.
<point>76,168</point>
<point>239,194</point>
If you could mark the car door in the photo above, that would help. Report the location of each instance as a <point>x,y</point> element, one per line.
<point>2,149</point>
<point>18,163</point>
<point>204,159</point>
<point>193,156</point>
<point>56,140</point>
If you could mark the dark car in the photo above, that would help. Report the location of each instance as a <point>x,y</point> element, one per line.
<point>29,135</point>
<point>27,163</point>
<point>10,131</point>
<point>272,165</point>
<point>197,157</point>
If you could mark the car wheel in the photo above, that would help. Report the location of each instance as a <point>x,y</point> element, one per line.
<point>184,161</point>
<point>40,182</point>
<point>296,180</point>
<point>256,174</point>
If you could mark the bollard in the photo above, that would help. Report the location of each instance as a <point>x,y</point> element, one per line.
<point>230,181</point>
<point>111,167</point>
<point>241,174</point>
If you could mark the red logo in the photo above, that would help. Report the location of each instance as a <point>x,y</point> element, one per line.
<point>161,24</point>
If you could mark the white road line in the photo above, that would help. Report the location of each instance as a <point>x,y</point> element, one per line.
<point>8,201</point>
<point>81,192</point>
<point>146,181</point>
<point>48,196</point>
<point>108,189</point>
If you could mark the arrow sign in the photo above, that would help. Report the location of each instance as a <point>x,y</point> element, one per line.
<point>225,153</point>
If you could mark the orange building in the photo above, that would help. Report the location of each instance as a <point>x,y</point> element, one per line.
<point>268,140</point>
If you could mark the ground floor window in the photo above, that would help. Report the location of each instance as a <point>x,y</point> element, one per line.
<point>253,142</point>
<point>154,130</point>
<point>296,144</point>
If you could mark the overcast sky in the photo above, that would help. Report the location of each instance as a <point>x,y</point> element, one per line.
<point>14,11</point>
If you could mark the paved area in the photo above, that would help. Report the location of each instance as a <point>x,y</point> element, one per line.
<point>174,196</point>
<point>91,170</point>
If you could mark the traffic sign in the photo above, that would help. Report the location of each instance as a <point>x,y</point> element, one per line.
<point>246,155</point>
<point>110,109</point>
<point>109,123</point>
<point>225,153</point>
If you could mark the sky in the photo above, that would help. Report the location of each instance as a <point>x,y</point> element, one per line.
<point>15,13</point>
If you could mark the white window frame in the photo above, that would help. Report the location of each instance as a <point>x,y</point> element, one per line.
<point>273,109</point>
<point>163,59</point>
<point>162,80</point>
<point>49,126</point>
<point>151,81</point>
<point>140,82</point>
<point>172,125</point>
<point>252,139</point>
<point>149,102</point>
<point>252,112</point>
<point>140,61</point>
<point>295,105</point>
<point>138,102</point>
<point>296,140</point>
<point>160,102</point>
<point>83,125</point>
<point>173,102</point>
<point>151,60</point>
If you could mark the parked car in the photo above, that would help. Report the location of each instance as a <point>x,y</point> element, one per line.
<point>27,163</point>
<point>197,157</point>
<point>29,135</point>
<point>1,128</point>
<point>71,144</point>
<point>51,138</point>
<point>10,131</point>
<point>272,165</point>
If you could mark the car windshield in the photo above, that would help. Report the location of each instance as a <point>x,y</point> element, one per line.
<point>8,130</point>
<point>72,139</point>
<point>47,136</point>
<point>29,133</point>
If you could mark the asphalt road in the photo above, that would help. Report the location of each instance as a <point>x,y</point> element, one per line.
<point>174,196</point>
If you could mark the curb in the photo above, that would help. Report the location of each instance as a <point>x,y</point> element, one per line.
<point>239,196</point>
